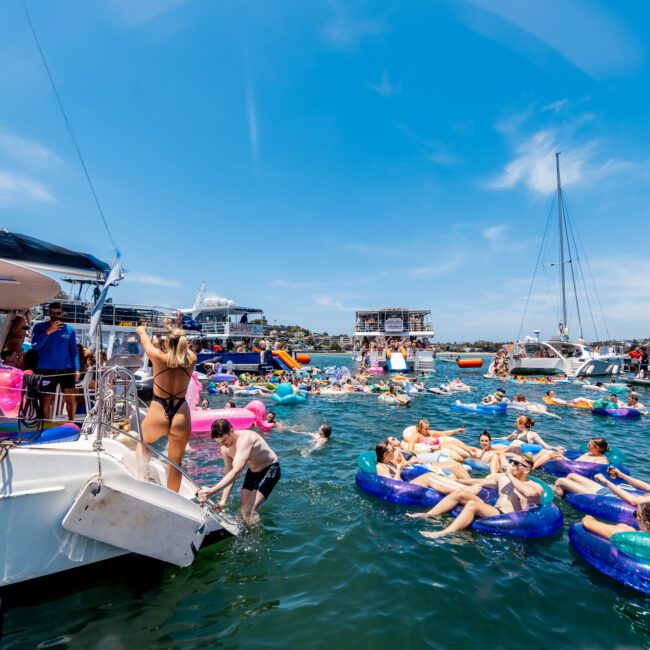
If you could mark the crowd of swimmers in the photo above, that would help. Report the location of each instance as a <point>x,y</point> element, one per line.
<point>508,472</point>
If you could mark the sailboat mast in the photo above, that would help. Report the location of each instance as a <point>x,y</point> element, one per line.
<point>560,214</point>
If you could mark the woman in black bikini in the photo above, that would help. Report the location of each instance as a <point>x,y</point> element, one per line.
<point>169,413</point>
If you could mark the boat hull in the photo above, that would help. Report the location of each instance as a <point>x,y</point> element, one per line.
<point>40,486</point>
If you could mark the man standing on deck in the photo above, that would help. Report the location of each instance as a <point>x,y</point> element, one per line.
<point>238,449</point>
<point>58,359</point>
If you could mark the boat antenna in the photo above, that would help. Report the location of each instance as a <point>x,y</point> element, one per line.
<point>69,127</point>
<point>560,214</point>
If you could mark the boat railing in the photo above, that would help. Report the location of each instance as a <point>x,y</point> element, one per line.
<point>378,326</point>
<point>116,400</point>
<point>116,315</point>
<point>213,328</point>
<point>116,387</point>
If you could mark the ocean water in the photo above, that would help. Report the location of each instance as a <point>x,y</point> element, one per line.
<point>330,567</point>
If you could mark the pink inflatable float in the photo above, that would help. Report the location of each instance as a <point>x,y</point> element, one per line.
<point>378,370</point>
<point>11,384</point>
<point>254,414</point>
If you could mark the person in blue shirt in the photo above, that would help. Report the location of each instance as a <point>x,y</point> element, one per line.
<point>58,359</point>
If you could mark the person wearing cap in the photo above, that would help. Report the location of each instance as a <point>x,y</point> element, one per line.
<point>516,492</point>
<point>494,398</point>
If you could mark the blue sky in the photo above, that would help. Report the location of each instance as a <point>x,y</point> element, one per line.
<point>311,158</point>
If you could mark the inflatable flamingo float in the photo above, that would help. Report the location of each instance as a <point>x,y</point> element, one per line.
<point>253,415</point>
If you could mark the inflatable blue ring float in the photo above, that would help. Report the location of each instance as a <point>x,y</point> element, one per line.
<point>604,506</point>
<point>539,521</point>
<point>68,432</point>
<point>617,413</point>
<point>396,491</point>
<point>223,377</point>
<point>480,408</point>
<point>525,447</point>
<point>609,557</point>
<point>562,468</point>
<point>284,395</point>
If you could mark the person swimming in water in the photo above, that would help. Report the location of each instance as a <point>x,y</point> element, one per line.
<point>238,450</point>
<point>516,492</point>
<point>169,412</point>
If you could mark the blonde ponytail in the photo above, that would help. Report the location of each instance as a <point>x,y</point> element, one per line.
<point>178,349</point>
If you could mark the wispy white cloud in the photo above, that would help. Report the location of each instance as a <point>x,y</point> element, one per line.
<point>154,280</point>
<point>252,121</point>
<point>385,87</point>
<point>377,250</point>
<point>434,151</point>
<point>494,233</point>
<point>332,304</point>
<point>442,158</point>
<point>556,106</point>
<point>135,13</point>
<point>346,30</point>
<point>15,188</point>
<point>584,33</point>
<point>441,268</point>
<point>25,151</point>
<point>534,163</point>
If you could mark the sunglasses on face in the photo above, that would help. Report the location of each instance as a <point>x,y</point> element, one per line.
<point>516,463</point>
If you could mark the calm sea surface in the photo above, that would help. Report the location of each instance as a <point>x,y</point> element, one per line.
<point>332,568</point>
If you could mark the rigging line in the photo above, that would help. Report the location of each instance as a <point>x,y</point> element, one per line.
<point>576,236</point>
<point>571,260</point>
<point>532,283</point>
<point>69,127</point>
<point>584,284</point>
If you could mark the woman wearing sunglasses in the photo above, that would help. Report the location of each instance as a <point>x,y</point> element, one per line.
<point>516,492</point>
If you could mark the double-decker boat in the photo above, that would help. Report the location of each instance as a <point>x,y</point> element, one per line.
<point>395,338</point>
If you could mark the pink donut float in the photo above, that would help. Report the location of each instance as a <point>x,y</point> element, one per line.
<point>376,371</point>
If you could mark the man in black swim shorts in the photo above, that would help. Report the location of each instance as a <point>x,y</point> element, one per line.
<point>240,449</point>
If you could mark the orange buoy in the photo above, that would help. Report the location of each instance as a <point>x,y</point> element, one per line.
<point>470,363</point>
<point>303,359</point>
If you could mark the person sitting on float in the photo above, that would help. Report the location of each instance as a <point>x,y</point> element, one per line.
<point>516,492</point>
<point>596,450</point>
<point>411,458</point>
<point>552,395</point>
<point>577,484</point>
<point>393,391</point>
<point>524,434</point>
<point>391,462</point>
<point>633,403</point>
<point>641,514</point>
<point>424,434</point>
<point>495,457</point>
<point>608,402</point>
<point>494,398</point>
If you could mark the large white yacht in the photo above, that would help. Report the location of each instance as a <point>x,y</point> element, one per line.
<point>78,500</point>
<point>533,355</point>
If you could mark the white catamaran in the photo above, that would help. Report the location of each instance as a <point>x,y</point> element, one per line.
<point>559,354</point>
